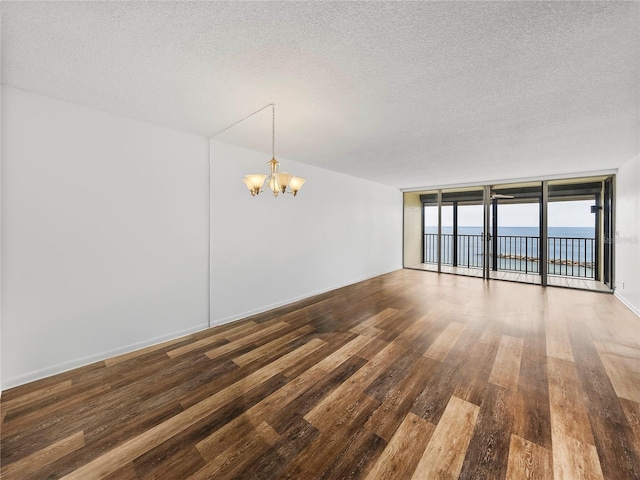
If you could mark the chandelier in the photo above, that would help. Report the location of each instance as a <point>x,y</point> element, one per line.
<point>276,181</point>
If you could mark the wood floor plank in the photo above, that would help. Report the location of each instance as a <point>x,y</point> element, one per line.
<point>506,369</point>
<point>183,462</point>
<point>445,341</point>
<point>622,364</point>
<point>367,331</point>
<point>616,445</point>
<point>207,380</point>
<point>238,455</point>
<point>632,412</point>
<point>528,461</point>
<point>399,398</point>
<point>356,457</point>
<point>271,347</point>
<point>110,362</point>
<point>433,399</point>
<point>488,451</point>
<point>406,374</point>
<point>421,334</point>
<point>126,472</point>
<point>568,411</point>
<point>76,376</point>
<point>401,456</point>
<point>338,431</point>
<point>372,348</point>
<point>36,396</point>
<point>295,407</point>
<point>558,345</point>
<point>271,463</point>
<point>35,461</point>
<point>415,328</point>
<point>323,415</point>
<point>476,368</point>
<point>15,424</point>
<point>574,459</point>
<point>375,320</point>
<point>395,372</point>
<point>183,446</point>
<point>464,374</point>
<point>285,400</point>
<point>445,452</point>
<point>246,340</point>
<point>98,443</point>
<point>533,419</point>
<point>353,348</point>
<point>135,447</point>
<point>309,362</point>
<point>281,398</point>
<point>211,339</point>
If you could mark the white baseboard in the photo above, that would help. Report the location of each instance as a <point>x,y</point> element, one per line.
<point>266,308</point>
<point>81,362</point>
<point>627,304</point>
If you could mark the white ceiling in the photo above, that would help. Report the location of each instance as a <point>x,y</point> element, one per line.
<point>405,94</point>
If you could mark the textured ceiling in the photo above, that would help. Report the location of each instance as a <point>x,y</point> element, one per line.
<point>405,94</point>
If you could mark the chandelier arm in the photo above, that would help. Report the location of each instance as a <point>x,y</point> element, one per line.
<point>265,184</point>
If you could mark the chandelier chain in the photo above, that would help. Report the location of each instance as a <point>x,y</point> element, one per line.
<point>273,130</point>
<point>243,119</point>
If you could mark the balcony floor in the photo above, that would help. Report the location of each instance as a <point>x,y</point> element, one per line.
<point>534,278</point>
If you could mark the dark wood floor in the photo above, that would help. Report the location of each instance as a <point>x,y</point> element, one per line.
<point>408,375</point>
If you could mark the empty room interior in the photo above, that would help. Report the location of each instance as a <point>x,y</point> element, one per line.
<point>320,240</point>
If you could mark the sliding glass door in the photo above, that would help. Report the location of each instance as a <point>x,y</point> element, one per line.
<point>515,232</point>
<point>454,231</point>
<point>546,232</point>
<point>579,231</point>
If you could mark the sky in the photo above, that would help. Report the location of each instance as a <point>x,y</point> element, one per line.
<point>560,214</point>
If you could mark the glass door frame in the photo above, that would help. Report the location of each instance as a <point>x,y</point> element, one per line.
<point>524,191</point>
<point>608,264</point>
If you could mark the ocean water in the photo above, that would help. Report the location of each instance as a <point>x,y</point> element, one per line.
<point>571,249</point>
<point>563,232</point>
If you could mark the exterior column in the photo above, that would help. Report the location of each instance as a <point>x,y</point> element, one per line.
<point>454,260</point>
<point>494,232</point>
<point>439,231</point>
<point>543,251</point>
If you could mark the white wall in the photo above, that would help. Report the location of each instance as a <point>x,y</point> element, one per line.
<point>268,251</point>
<point>412,230</point>
<point>627,273</point>
<point>104,235</point>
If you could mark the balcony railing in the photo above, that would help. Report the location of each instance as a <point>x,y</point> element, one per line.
<point>573,257</point>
